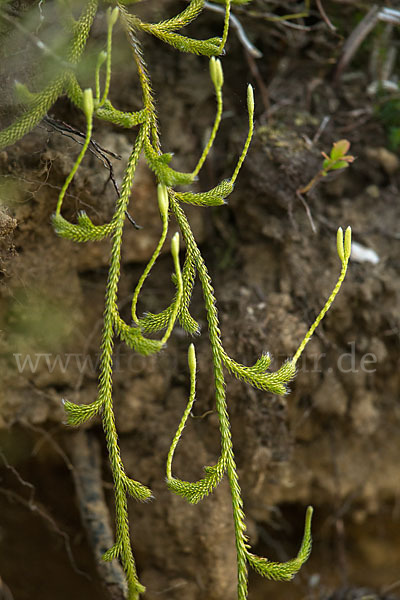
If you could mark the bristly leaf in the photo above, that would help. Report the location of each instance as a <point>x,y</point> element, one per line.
<point>287,570</point>
<point>124,119</point>
<point>47,97</point>
<point>137,490</point>
<point>195,491</point>
<point>152,323</point>
<point>79,413</point>
<point>30,118</point>
<point>184,18</point>
<point>257,375</point>
<point>84,231</point>
<point>277,382</point>
<point>133,337</point>
<point>113,552</point>
<point>214,197</point>
<point>262,364</point>
<point>210,47</point>
<point>159,165</point>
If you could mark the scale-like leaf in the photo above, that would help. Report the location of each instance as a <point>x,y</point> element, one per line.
<point>84,231</point>
<point>137,490</point>
<point>79,413</point>
<point>214,197</point>
<point>195,491</point>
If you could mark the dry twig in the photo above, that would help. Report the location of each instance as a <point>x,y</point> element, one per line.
<point>86,458</point>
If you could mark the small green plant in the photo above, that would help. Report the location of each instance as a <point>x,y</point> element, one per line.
<point>95,103</point>
<point>337,159</point>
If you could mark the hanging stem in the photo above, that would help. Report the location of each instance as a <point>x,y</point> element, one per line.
<point>227,454</point>
<point>226,25</point>
<point>88,110</point>
<point>344,251</point>
<point>123,542</point>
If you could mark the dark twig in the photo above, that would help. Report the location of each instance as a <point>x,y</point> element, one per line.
<point>65,128</point>
<point>21,480</point>
<point>46,436</point>
<point>37,509</point>
<point>307,209</point>
<point>86,458</point>
<point>95,148</point>
<point>324,16</point>
<point>355,39</point>
<point>237,26</point>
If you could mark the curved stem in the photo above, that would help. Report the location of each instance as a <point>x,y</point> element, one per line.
<point>179,294</point>
<point>71,174</point>
<point>105,379</point>
<point>214,131</point>
<point>227,454</point>
<point>99,62</point>
<point>250,107</point>
<point>226,25</point>
<point>108,62</point>
<point>189,406</point>
<point>148,268</point>
<point>322,313</point>
<point>145,83</point>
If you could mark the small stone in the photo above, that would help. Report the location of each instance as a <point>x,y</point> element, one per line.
<point>330,398</point>
<point>386,159</point>
<point>364,414</point>
<point>372,191</point>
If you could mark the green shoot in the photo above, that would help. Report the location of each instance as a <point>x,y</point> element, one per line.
<point>337,159</point>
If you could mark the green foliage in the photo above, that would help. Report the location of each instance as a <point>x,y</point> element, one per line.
<point>337,159</point>
<point>96,104</point>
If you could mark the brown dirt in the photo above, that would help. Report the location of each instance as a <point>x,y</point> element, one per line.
<point>333,442</point>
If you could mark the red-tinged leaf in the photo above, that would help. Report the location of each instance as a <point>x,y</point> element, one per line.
<point>339,149</point>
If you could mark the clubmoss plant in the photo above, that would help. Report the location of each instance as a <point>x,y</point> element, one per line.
<point>96,104</point>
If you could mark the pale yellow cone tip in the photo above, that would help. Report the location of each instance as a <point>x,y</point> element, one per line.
<point>347,243</point>
<point>339,243</point>
<point>88,106</point>
<point>192,358</point>
<point>112,16</point>
<point>216,72</point>
<point>163,203</point>
<point>250,98</point>
<point>175,245</point>
<point>102,57</point>
<point>213,70</point>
